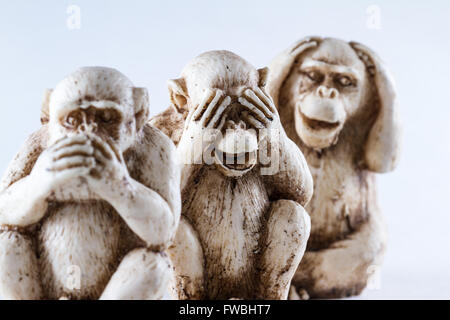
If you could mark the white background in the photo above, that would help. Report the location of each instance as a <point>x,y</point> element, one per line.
<point>150,41</point>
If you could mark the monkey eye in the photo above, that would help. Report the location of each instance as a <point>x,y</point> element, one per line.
<point>314,76</point>
<point>106,116</point>
<point>345,81</point>
<point>72,121</point>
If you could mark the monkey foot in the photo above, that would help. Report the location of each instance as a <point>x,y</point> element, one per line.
<point>300,294</point>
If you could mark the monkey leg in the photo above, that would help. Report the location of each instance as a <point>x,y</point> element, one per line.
<point>19,269</point>
<point>283,246</point>
<point>142,275</point>
<point>343,269</point>
<point>186,254</point>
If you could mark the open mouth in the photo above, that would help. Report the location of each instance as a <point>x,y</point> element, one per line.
<point>318,124</point>
<point>237,161</point>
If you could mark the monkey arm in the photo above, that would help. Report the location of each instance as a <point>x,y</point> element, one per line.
<point>23,203</point>
<point>22,197</point>
<point>146,212</point>
<point>149,200</point>
<point>383,143</point>
<point>293,180</point>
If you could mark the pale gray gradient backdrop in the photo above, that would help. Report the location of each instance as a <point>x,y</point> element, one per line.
<point>150,41</point>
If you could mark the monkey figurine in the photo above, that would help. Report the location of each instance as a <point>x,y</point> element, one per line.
<point>92,200</point>
<point>243,229</point>
<point>337,102</point>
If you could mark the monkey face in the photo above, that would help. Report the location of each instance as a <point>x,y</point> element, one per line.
<point>236,150</point>
<point>97,101</point>
<point>102,118</point>
<point>328,92</point>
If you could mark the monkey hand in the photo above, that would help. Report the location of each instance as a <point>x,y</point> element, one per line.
<point>261,111</point>
<point>202,126</point>
<point>110,173</point>
<point>304,44</point>
<point>377,69</point>
<point>69,158</point>
<point>262,114</point>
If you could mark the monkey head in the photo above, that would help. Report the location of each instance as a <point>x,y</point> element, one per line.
<point>235,150</point>
<point>96,101</point>
<point>331,83</point>
<point>323,85</point>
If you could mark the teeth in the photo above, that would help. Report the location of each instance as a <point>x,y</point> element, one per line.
<point>240,161</point>
<point>235,158</point>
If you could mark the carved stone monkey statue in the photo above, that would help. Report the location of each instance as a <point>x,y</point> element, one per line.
<point>243,229</point>
<point>92,200</point>
<point>337,102</point>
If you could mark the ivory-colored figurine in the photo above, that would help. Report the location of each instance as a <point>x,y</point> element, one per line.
<point>337,102</point>
<point>92,200</point>
<point>243,229</point>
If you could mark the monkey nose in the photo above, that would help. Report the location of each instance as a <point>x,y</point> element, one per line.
<point>325,92</point>
<point>230,124</point>
<point>88,127</point>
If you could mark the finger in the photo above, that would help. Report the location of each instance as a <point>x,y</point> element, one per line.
<point>113,148</point>
<point>256,101</point>
<point>368,57</point>
<point>266,99</point>
<point>108,149</point>
<point>69,141</point>
<point>103,147</point>
<point>100,158</point>
<point>203,104</point>
<point>221,123</point>
<point>360,48</point>
<point>218,114</point>
<point>223,120</point>
<point>188,118</point>
<point>72,162</point>
<point>212,106</point>
<point>256,112</point>
<point>250,119</point>
<point>82,150</point>
<point>305,45</point>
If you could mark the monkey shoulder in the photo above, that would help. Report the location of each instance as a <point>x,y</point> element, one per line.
<point>170,122</point>
<point>152,162</point>
<point>24,160</point>
<point>152,153</point>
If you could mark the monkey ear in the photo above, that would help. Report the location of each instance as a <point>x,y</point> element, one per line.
<point>45,113</point>
<point>178,94</point>
<point>141,107</point>
<point>383,142</point>
<point>263,73</point>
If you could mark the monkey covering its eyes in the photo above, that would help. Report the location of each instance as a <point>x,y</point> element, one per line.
<point>243,229</point>
<point>92,200</point>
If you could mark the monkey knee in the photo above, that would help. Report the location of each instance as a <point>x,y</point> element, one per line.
<point>155,273</point>
<point>18,267</point>
<point>287,235</point>
<point>289,218</point>
<point>286,238</point>
<point>12,239</point>
<point>186,246</point>
<point>142,275</point>
<point>186,254</point>
<point>15,249</point>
